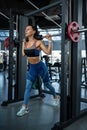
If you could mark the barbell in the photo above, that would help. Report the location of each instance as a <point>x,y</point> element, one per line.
<point>73,33</point>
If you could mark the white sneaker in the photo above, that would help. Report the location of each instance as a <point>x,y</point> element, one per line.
<point>56,101</point>
<point>22,111</point>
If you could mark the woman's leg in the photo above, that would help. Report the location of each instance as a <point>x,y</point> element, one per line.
<point>51,88</point>
<point>43,72</point>
<point>24,109</point>
<point>31,76</point>
<point>27,91</point>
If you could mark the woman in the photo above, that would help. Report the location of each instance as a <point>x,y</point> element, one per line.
<point>31,48</point>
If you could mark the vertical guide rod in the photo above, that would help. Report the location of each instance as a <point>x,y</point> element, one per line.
<point>10,86</point>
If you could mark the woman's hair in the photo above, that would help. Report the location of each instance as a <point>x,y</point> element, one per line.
<point>36,35</point>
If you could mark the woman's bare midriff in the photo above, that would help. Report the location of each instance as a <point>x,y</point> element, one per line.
<point>34,60</point>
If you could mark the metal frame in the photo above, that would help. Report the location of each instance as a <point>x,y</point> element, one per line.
<point>64,113</point>
<point>43,13</point>
<point>64,65</point>
<point>85,23</point>
<point>10,72</point>
<point>43,8</point>
<point>76,62</point>
<point>75,66</point>
<point>10,86</point>
<point>5,16</point>
<point>75,73</point>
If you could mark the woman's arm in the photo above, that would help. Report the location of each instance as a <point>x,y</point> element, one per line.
<point>23,44</point>
<point>43,47</point>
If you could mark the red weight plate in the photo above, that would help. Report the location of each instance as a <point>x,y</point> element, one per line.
<point>72,27</point>
<point>6,42</point>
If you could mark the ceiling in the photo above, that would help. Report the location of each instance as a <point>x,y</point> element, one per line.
<point>24,7</point>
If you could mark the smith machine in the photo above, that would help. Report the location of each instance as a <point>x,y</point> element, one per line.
<point>71,41</point>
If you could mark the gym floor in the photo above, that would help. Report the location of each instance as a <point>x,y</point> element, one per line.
<point>42,113</point>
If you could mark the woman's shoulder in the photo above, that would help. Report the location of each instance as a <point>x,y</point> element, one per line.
<point>38,42</point>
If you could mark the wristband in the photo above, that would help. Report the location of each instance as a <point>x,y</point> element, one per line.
<point>50,41</point>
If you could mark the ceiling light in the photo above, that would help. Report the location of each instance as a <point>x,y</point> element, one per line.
<point>54,17</point>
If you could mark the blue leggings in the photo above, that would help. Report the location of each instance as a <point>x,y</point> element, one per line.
<point>35,70</point>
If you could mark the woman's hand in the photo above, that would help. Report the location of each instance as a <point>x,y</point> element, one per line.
<point>46,49</point>
<point>24,41</point>
<point>48,37</point>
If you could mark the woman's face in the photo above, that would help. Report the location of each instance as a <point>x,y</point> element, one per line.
<point>29,31</point>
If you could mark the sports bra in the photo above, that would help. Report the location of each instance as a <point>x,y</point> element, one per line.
<point>32,51</point>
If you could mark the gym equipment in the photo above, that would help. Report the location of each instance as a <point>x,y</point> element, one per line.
<point>6,42</point>
<point>73,33</point>
<point>73,30</point>
<point>74,36</point>
<point>40,10</point>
